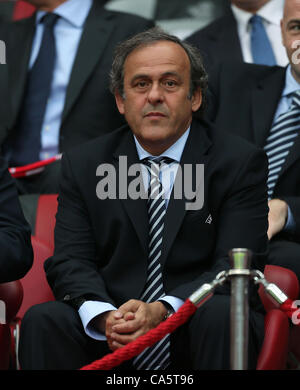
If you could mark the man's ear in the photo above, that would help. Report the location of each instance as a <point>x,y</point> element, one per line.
<point>196,99</point>
<point>120,102</point>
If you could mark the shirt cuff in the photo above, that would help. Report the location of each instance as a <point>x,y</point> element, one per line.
<point>88,311</point>
<point>91,309</point>
<point>174,302</point>
<point>290,222</point>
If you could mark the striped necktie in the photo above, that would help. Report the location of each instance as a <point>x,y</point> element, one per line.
<point>156,357</point>
<point>280,140</point>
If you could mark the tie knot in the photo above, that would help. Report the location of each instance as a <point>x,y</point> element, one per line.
<point>255,20</point>
<point>155,164</point>
<point>296,99</point>
<point>49,19</point>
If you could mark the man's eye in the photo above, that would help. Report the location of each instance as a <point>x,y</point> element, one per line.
<point>142,84</point>
<point>295,27</point>
<point>170,83</point>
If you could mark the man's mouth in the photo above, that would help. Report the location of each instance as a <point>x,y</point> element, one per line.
<point>154,114</point>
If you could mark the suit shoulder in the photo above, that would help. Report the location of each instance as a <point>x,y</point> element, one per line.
<point>129,18</point>
<point>102,146</point>
<point>240,73</point>
<point>248,69</point>
<point>238,148</point>
<point>209,31</point>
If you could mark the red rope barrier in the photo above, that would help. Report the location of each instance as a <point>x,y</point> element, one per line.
<point>32,169</point>
<point>288,308</point>
<point>137,346</point>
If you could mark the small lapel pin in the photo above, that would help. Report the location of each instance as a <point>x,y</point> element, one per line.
<point>209,219</point>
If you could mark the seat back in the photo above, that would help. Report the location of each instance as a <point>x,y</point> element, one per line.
<point>274,351</point>
<point>275,348</point>
<point>45,219</point>
<point>285,279</point>
<point>35,285</point>
<point>11,295</point>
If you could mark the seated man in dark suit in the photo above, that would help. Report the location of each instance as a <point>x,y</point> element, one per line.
<point>58,63</point>
<point>249,32</point>
<point>122,263</point>
<point>261,104</point>
<point>15,244</point>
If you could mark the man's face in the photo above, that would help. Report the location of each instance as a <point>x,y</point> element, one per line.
<point>249,5</point>
<point>290,29</point>
<point>156,102</point>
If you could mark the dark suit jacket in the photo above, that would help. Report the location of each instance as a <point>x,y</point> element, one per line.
<point>16,251</point>
<point>90,109</point>
<point>101,245</point>
<point>219,41</point>
<point>244,99</point>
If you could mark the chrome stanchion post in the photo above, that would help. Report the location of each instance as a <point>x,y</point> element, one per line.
<point>239,275</point>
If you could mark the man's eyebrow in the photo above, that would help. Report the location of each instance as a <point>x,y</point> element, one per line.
<point>293,21</point>
<point>146,76</point>
<point>139,76</point>
<point>174,74</point>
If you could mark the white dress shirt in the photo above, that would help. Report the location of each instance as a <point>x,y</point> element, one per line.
<point>271,14</point>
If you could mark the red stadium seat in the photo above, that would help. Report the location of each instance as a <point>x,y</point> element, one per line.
<point>11,294</point>
<point>22,9</point>
<point>45,219</point>
<point>275,349</point>
<point>35,285</point>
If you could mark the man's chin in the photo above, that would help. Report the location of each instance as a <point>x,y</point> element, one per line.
<point>154,143</point>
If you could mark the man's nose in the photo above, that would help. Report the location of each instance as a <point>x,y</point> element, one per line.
<point>155,94</point>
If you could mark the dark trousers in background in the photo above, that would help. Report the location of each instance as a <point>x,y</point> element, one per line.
<point>286,254</point>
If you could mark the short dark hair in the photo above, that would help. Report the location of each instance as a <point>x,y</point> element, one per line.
<point>199,77</point>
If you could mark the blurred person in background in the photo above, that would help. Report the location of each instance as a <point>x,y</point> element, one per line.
<point>58,63</point>
<point>248,32</point>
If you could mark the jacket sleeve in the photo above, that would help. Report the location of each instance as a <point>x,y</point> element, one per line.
<point>15,243</point>
<point>73,272</point>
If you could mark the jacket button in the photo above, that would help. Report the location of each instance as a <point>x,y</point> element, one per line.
<point>67,297</point>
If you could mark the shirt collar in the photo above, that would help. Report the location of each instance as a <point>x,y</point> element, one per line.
<point>73,11</point>
<point>272,12</point>
<point>174,152</point>
<point>291,85</point>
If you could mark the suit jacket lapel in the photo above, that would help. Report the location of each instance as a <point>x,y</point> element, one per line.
<point>94,39</point>
<point>265,98</point>
<point>228,40</point>
<point>136,209</point>
<point>195,152</point>
<point>19,55</point>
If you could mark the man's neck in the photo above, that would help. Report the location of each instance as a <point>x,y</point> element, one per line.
<point>51,7</point>
<point>250,6</point>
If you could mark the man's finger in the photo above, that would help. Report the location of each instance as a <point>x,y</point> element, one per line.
<point>127,327</point>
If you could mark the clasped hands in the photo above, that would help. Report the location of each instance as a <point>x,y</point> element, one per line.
<point>133,319</point>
